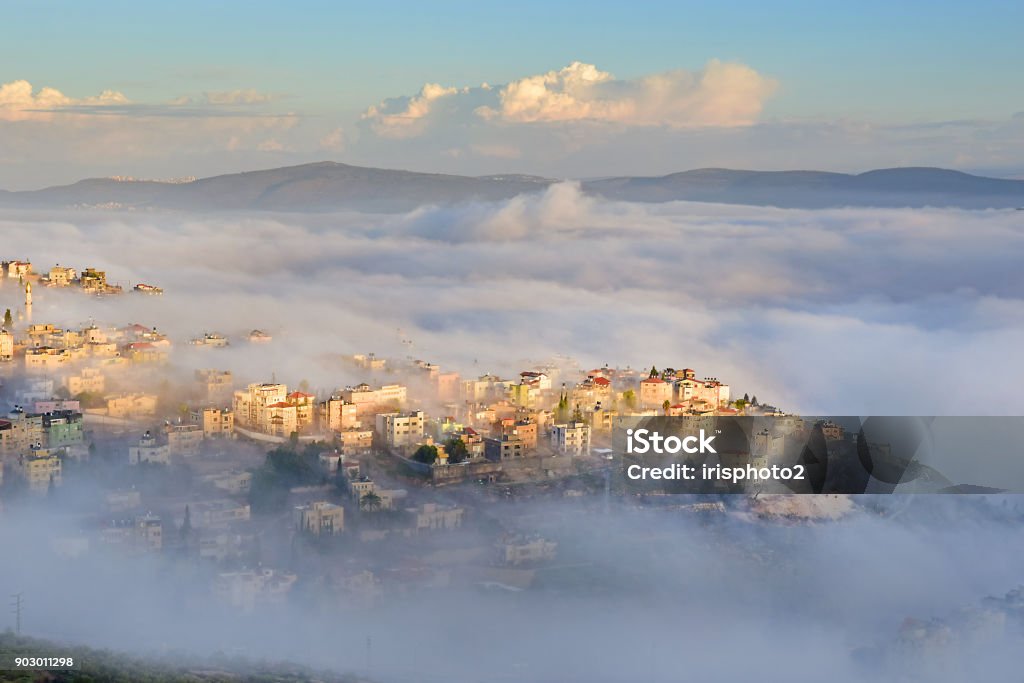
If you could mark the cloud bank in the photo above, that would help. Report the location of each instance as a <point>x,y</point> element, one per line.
<point>842,311</point>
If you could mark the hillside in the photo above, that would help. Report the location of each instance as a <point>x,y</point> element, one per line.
<point>329,186</point>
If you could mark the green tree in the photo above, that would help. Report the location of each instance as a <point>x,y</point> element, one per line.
<point>425,454</point>
<point>456,449</point>
<point>562,410</point>
<point>186,524</point>
<point>666,405</point>
<point>370,502</point>
<point>654,371</point>
<point>8,319</point>
<point>629,398</point>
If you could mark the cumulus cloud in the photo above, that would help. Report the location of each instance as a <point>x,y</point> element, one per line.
<point>334,141</point>
<point>405,117</point>
<point>20,101</point>
<point>722,94</point>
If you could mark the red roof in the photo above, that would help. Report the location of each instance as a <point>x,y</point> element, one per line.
<point>299,394</point>
<point>602,381</point>
<point>653,380</point>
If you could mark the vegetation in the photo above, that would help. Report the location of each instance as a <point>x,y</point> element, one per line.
<point>284,468</point>
<point>425,454</point>
<point>456,449</point>
<point>96,666</point>
<point>8,320</point>
<point>629,398</point>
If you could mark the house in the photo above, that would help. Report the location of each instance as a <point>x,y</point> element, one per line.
<point>319,519</point>
<point>433,517</point>
<point>215,423</point>
<point>149,449</point>
<point>654,391</point>
<point>401,430</point>
<point>6,345</point>
<point>184,440</point>
<point>572,438</point>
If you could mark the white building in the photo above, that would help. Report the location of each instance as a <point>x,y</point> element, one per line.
<point>572,438</point>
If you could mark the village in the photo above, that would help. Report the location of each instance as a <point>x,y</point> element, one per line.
<point>402,480</point>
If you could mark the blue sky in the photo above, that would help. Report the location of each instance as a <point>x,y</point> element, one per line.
<point>325,63</point>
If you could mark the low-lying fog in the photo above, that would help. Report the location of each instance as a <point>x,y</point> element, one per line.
<point>823,312</point>
<point>856,311</point>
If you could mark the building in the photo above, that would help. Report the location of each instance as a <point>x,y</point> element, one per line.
<point>218,513</point>
<point>504,447</point>
<point>522,551</point>
<point>214,422</point>
<point>434,517</point>
<point>61,276</point>
<point>246,590</point>
<point>63,428</point>
<point>184,440</point>
<point>6,345</point>
<point>250,404</point>
<point>572,438</point>
<point>389,397</point>
<point>216,386</point>
<point>148,449</point>
<point>45,359</point>
<point>319,519</point>
<point>305,408</point>
<point>16,269</point>
<point>88,380</point>
<point>338,415</point>
<point>401,430</point>
<point>131,406</point>
<point>654,391</point>
<point>41,468</point>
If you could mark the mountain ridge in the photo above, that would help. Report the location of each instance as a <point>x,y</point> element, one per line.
<point>328,185</point>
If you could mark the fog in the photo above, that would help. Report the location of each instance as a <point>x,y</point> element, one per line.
<point>857,311</point>
<point>644,595</point>
<point>849,311</point>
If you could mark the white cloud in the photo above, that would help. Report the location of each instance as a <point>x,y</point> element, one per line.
<point>19,101</point>
<point>722,94</point>
<point>407,120</point>
<point>334,141</point>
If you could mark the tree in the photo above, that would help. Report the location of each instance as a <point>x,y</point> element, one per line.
<point>562,411</point>
<point>746,398</point>
<point>629,398</point>
<point>186,524</point>
<point>577,414</point>
<point>666,405</point>
<point>457,451</point>
<point>425,454</point>
<point>8,319</point>
<point>654,371</point>
<point>370,502</point>
<point>753,401</point>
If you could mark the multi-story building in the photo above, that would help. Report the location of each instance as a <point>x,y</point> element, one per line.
<point>149,449</point>
<point>389,397</point>
<point>572,438</point>
<point>504,447</point>
<point>131,406</point>
<point>184,440</point>
<point>251,403</point>
<point>6,346</point>
<point>338,415</point>
<point>214,422</point>
<point>319,519</point>
<point>216,386</point>
<point>431,517</point>
<point>60,276</point>
<point>654,391</point>
<point>63,428</point>
<point>401,430</point>
<point>88,380</point>
<point>41,468</point>
<point>45,359</point>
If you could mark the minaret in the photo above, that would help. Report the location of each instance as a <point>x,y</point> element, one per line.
<point>28,302</point>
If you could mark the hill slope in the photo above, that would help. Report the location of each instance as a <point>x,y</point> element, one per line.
<point>328,186</point>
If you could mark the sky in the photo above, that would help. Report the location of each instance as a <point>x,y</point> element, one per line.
<point>572,89</point>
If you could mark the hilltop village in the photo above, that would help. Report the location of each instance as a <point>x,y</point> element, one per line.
<point>401,478</point>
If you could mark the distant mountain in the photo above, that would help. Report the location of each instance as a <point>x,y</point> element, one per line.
<point>328,186</point>
<point>310,187</point>
<point>891,187</point>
